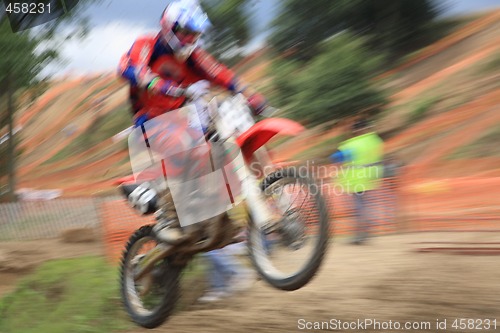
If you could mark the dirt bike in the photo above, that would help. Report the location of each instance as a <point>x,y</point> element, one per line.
<point>286,222</point>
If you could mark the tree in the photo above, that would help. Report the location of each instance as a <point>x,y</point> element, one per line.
<point>391,25</point>
<point>24,55</point>
<point>230,29</point>
<point>333,85</point>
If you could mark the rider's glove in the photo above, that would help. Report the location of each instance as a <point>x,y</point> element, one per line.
<point>162,87</point>
<point>139,121</point>
<point>197,90</point>
<point>258,103</point>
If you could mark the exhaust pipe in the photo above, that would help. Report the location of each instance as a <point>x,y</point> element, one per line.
<point>142,197</point>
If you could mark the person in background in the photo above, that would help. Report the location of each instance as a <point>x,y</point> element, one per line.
<point>226,274</point>
<point>362,160</point>
<point>392,169</point>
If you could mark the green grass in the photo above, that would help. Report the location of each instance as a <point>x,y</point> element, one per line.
<point>80,295</point>
<point>485,146</point>
<point>491,65</point>
<point>321,150</point>
<point>71,295</point>
<point>103,128</point>
<point>94,93</point>
<point>440,29</point>
<point>421,109</point>
<point>276,142</point>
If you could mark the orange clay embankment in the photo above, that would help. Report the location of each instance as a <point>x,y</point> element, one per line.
<point>445,121</point>
<point>46,98</point>
<point>437,78</point>
<point>57,122</point>
<point>467,31</point>
<point>84,123</point>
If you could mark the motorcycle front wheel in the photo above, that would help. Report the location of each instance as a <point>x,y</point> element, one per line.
<point>289,253</point>
<point>150,301</point>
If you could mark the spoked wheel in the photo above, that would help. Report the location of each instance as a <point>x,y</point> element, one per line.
<point>150,300</point>
<point>288,253</point>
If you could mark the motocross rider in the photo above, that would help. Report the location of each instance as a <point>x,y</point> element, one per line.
<point>169,69</point>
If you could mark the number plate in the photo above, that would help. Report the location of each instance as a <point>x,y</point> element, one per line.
<point>235,116</point>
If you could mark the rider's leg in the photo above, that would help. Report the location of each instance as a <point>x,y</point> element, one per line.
<point>360,218</point>
<point>217,276</point>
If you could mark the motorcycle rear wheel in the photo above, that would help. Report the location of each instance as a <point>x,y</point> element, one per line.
<point>293,233</point>
<point>154,309</point>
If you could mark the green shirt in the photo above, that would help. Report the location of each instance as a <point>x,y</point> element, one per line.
<point>364,168</point>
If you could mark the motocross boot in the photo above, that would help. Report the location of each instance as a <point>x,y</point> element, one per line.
<point>168,228</point>
<point>238,219</point>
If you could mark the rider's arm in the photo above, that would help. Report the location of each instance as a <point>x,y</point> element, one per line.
<point>212,70</point>
<point>217,73</point>
<point>134,68</point>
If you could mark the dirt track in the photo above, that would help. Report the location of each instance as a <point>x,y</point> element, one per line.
<point>386,280</point>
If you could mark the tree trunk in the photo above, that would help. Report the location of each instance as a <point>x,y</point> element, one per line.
<point>11,153</point>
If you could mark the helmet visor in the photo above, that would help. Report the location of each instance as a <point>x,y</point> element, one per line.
<point>186,35</point>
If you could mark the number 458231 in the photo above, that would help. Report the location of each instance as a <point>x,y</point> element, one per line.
<point>28,8</point>
<point>474,324</point>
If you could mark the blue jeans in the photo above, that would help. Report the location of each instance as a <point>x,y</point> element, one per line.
<point>223,267</point>
<point>364,221</point>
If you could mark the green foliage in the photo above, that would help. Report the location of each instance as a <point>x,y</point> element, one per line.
<point>23,57</point>
<point>20,62</point>
<point>276,142</point>
<point>492,64</point>
<point>332,85</point>
<point>4,152</point>
<point>321,150</point>
<point>283,90</point>
<point>485,146</point>
<point>72,295</point>
<point>422,108</point>
<point>103,128</point>
<point>25,54</point>
<point>230,24</point>
<point>392,25</point>
<point>234,60</point>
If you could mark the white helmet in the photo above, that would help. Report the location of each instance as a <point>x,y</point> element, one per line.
<point>182,24</point>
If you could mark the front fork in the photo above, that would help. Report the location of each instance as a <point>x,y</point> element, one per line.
<point>258,208</point>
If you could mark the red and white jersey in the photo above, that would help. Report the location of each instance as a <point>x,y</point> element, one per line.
<point>149,59</point>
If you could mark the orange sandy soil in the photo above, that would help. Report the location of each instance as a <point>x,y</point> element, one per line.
<point>456,37</point>
<point>440,76</point>
<point>81,121</point>
<point>471,119</point>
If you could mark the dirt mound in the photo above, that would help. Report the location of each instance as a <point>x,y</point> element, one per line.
<point>16,261</point>
<point>19,258</point>
<point>78,235</point>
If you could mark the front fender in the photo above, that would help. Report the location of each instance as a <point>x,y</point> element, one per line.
<point>249,141</point>
<point>263,131</point>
